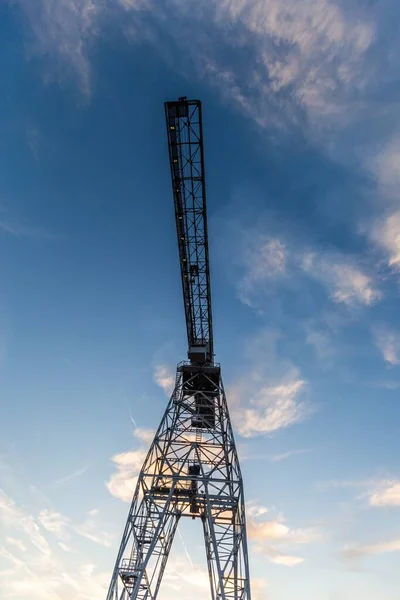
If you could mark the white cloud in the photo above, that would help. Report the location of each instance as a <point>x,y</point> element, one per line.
<point>275,531</point>
<point>386,167</point>
<point>275,556</point>
<point>321,342</point>
<point>265,261</point>
<point>354,551</point>
<point>285,455</point>
<point>255,510</point>
<point>262,533</point>
<point>60,33</point>
<point>165,378</point>
<point>71,476</point>
<point>268,397</point>
<point>267,530</point>
<point>313,50</point>
<point>144,435</point>
<point>65,547</point>
<point>386,234</point>
<point>259,589</point>
<point>286,560</point>
<point>87,570</point>
<point>22,521</point>
<point>262,258</point>
<point>345,281</point>
<point>274,407</point>
<point>42,573</point>
<point>352,286</point>
<point>312,69</point>
<point>311,55</point>
<point>16,542</point>
<point>128,465</point>
<point>49,580</point>
<point>179,576</point>
<point>16,229</point>
<point>378,492</point>
<point>55,522</point>
<point>122,483</point>
<point>92,529</point>
<point>388,342</point>
<point>386,494</point>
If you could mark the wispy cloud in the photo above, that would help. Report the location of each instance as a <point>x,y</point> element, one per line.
<point>288,454</point>
<point>26,231</point>
<point>65,547</point>
<point>310,57</point>
<point>387,493</point>
<point>356,483</point>
<point>48,579</point>
<point>386,167</point>
<point>128,465</point>
<point>386,234</point>
<point>378,492</point>
<point>312,48</point>
<point>33,138</point>
<point>274,407</point>
<point>71,476</point>
<point>307,54</point>
<point>385,228</point>
<point>165,378</point>
<point>271,538</point>
<point>262,259</point>
<point>17,543</point>
<point>321,341</point>
<point>266,261</point>
<point>255,510</point>
<point>272,458</point>
<point>92,529</point>
<point>344,280</point>
<point>36,561</point>
<point>144,435</point>
<point>182,580</point>
<point>355,551</point>
<point>318,69</point>
<point>313,65</point>
<point>55,522</point>
<point>278,557</point>
<point>388,342</point>
<point>270,396</point>
<point>23,522</point>
<point>61,33</point>
<point>275,531</point>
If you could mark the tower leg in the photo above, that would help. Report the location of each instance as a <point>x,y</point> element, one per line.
<point>225,540</point>
<point>191,470</point>
<point>150,531</point>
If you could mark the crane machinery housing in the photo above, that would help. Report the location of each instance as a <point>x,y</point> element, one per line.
<point>192,468</point>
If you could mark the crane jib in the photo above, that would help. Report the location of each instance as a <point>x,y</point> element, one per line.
<point>185,142</point>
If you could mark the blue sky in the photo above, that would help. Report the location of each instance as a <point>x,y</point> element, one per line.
<point>302,141</point>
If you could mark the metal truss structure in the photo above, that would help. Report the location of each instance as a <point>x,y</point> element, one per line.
<point>191,469</point>
<point>185,143</point>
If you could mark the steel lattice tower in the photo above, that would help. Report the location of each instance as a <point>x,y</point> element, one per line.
<point>192,468</point>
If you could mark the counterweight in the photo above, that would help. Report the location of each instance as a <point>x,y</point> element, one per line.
<point>192,468</point>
